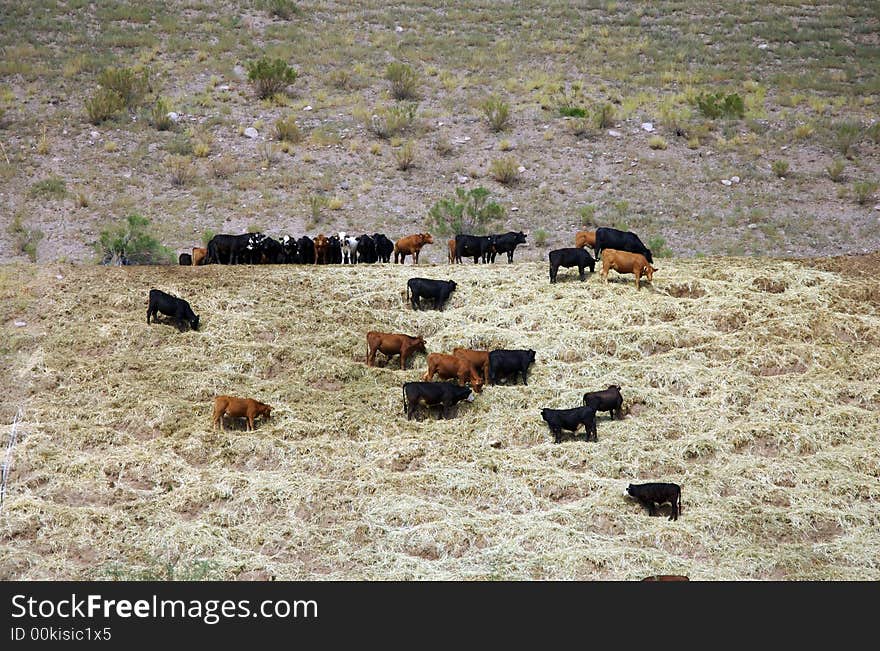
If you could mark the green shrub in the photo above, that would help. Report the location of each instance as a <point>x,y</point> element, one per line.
<point>180,170</point>
<point>603,115</point>
<point>128,84</point>
<point>207,236</point>
<point>846,135</point>
<point>103,105</point>
<point>24,239</point>
<point>779,167</point>
<point>317,203</point>
<point>873,132</point>
<point>283,9</point>
<point>863,191</point>
<point>505,170</point>
<point>159,115</point>
<point>675,118</point>
<point>497,113</point>
<point>390,121</point>
<point>588,215</point>
<point>658,247</point>
<point>406,155</point>
<point>287,130</point>
<point>469,211</point>
<point>270,76</point>
<point>51,188</point>
<point>130,243</point>
<point>404,81</point>
<point>835,171</point>
<point>657,142</point>
<point>540,237</point>
<point>716,105</point>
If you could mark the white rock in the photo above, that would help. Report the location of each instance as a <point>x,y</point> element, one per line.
<point>763,46</point>
<point>307,108</point>
<point>94,135</point>
<point>462,179</point>
<point>647,126</point>
<point>726,182</point>
<point>515,209</point>
<point>614,133</point>
<point>877,207</point>
<point>753,226</point>
<point>223,87</point>
<point>59,277</point>
<point>174,117</point>
<point>735,179</point>
<point>398,29</point>
<point>20,324</point>
<point>250,132</point>
<point>520,169</point>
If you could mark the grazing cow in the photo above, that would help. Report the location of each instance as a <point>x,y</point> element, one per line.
<point>451,256</point>
<point>450,366</point>
<point>171,306</point>
<point>411,245</point>
<point>334,250</point>
<point>609,400</point>
<point>239,408</point>
<point>366,249</point>
<point>570,257</point>
<point>477,247</point>
<point>432,394</point>
<point>666,577</point>
<point>384,247</point>
<point>510,362</point>
<point>419,288</point>
<point>306,247</point>
<point>571,419</point>
<point>479,358</point>
<point>656,493</point>
<point>627,263</point>
<point>289,250</point>
<point>585,238</point>
<point>322,247</point>
<point>185,260</point>
<point>228,249</point>
<point>199,256</point>
<point>506,243</point>
<point>391,344</point>
<point>611,238</point>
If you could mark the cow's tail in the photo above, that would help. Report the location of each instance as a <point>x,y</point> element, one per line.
<point>407,289</point>
<point>679,501</point>
<point>404,398</point>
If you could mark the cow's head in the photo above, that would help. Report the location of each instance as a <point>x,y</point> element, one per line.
<point>520,238</point>
<point>426,238</point>
<point>531,356</point>
<point>194,323</point>
<point>452,284</point>
<point>419,344</point>
<point>627,493</point>
<point>649,272</point>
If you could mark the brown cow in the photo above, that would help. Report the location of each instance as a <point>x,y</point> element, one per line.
<point>624,262</point>
<point>392,344</point>
<point>198,256</point>
<point>239,408</point>
<point>666,577</point>
<point>479,358</point>
<point>451,245</point>
<point>450,366</point>
<point>411,245</point>
<point>322,246</point>
<point>585,238</point>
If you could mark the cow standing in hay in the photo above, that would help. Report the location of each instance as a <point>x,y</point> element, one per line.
<point>624,262</point>
<point>239,408</point>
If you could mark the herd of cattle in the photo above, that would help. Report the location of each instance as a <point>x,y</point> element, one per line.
<point>470,370</point>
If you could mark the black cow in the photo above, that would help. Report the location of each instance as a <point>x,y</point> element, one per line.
<point>510,362</point>
<point>506,243</point>
<point>366,249</point>
<point>289,250</point>
<point>185,260</point>
<point>570,257</point>
<point>171,306</point>
<point>611,238</point>
<point>477,247</point>
<point>334,250</point>
<point>432,394</point>
<point>570,419</point>
<point>657,493</point>
<point>609,400</point>
<point>228,249</point>
<point>306,249</point>
<point>262,249</point>
<point>419,288</point>
<point>384,247</point>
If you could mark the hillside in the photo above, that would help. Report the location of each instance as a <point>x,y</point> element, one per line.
<point>750,382</point>
<point>802,149</point>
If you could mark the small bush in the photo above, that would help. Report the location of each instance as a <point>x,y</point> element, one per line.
<point>201,142</point>
<point>268,154</point>
<point>657,142</point>
<point>131,243</point>
<point>658,247</point>
<point>287,130</point>
<point>540,237</point>
<point>442,146</point>
<point>43,146</point>
<point>863,191</point>
<point>716,105</point>
<point>572,111</point>
<point>406,155</point>
<point>51,188</point>
<point>603,115</point>
<point>835,171</point>
<point>580,127</point>
<point>588,215</point>
<point>873,132</point>
<point>125,82</point>
<point>24,239</point>
<point>270,76</point>
<point>180,170</point>
<point>802,131</point>
<point>846,135</point>
<point>223,167</point>
<point>390,121</point>
<point>469,211</point>
<point>341,78</point>
<point>103,105</point>
<point>497,113</point>
<point>317,203</point>
<point>505,170</point>
<point>180,145</point>
<point>82,201</point>
<point>779,167</point>
<point>283,9</point>
<point>675,118</point>
<point>207,236</point>
<point>404,81</point>
<point>159,115</point>
<point>335,204</point>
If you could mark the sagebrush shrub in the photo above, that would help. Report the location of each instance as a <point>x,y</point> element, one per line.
<point>270,76</point>
<point>159,115</point>
<point>469,211</point>
<point>287,130</point>
<point>505,170</point>
<point>497,113</point>
<point>390,121</point>
<point>863,191</point>
<point>103,105</point>
<point>540,237</point>
<point>835,171</point>
<point>406,155</point>
<point>128,84</point>
<point>779,167</point>
<point>130,242</point>
<point>846,135</point>
<point>180,170</point>
<point>603,115</point>
<point>404,81</point>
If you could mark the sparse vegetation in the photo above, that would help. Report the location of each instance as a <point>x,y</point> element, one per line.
<point>505,170</point>
<point>469,211</point>
<point>864,191</point>
<point>159,115</point>
<point>404,81</point>
<point>103,105</point>
<point>779,167</point>
<point>283,9</point>
<point>540,237</point>
<point>657,142</point>
<point>180,170</point>
<point>24,238</point>
<point>390,121</point>
<point>287,130</point>
<point>50,188</point>
<point>587,215</point>
<point>128,84</point>
<point>129,242</point>
<point>603,115</point>
<point>270,76</point>
<point>658,247</point>
<point>835,171</point>
<point>405,155</point>
<point>317,203</point>
<point>497,113</point>
<point>716,105</point>
<point>846,135</point>
<point>223,167</point>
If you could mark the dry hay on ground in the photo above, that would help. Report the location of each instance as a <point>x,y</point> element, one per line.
<point>762,404</point>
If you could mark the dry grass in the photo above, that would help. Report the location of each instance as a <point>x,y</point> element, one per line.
<point>762,404</point>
